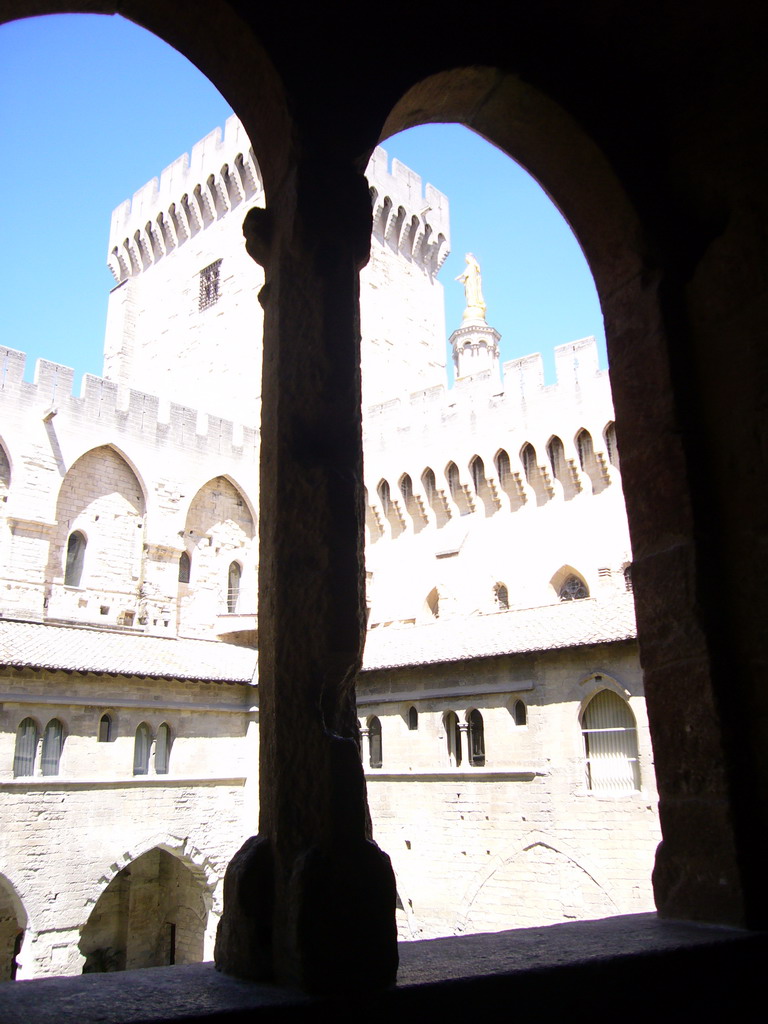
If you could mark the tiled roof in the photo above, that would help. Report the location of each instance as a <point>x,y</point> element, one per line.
<point>551,627</point>
<point>74,649</point>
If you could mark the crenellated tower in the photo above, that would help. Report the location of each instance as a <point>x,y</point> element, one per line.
<point>185,313</point>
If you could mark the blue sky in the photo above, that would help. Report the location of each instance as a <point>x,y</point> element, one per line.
<point>92,107</point>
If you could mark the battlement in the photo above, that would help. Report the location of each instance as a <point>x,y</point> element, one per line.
<point>106,404</point>
<point>195,191</point>
<point>412,220</point>
<point>577,368</point>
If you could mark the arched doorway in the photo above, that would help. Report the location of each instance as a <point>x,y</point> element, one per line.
<point>153,913</point>
<point>13,923</point>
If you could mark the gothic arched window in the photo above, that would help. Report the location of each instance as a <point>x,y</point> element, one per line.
<point>374,741</point>
<point>573,589</point>
<point>520,713</point>
<point>26,749</point>
<point>610,744</point>
<point>185,567</point>
<point>233,586</point>
<point>163,749</point>
<point>73,570</point>
<point>141,748</point>
<point>453,738</point>
<point>53,743</point>
<point>105,729</point>
<point>413,718</point>
<point>476,739</point>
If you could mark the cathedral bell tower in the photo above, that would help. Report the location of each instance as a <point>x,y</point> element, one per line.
<point>475,344</point>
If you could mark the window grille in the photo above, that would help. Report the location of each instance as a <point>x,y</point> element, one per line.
<point>53,742</point>
<point>141,749</point>
<point>73,570</point>
<point>162,750</point>
<point>574,589</point>
<point>233,587</point>
<point>374,743</point>
<point>209,285</point>
<point>26,749</point>
<point>105,729</point>
<point>476,739</point>
<point>610,745</point>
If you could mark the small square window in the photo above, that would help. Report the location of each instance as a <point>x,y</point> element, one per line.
<point>209,285</point>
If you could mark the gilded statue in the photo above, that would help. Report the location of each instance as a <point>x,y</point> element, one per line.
<point>473,289</point>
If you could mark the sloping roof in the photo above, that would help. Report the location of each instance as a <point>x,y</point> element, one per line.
<point>74,649</point>
<point>551,627</point>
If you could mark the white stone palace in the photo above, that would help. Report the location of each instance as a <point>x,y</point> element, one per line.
<point>504,734</point>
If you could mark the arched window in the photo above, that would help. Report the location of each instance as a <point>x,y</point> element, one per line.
<point>610,744</point>
<point>233,586</point>
<point>528,458</point>
<point>612,446</point>
<point>73,570</point>
<point>573,589</point>
<point>374,743</point>
<point>105,729</point>
<point>454,480</point>
<point>53,742</point>
<point>430,485</point>
<point>503,467</point>
<point>477,469</point>
<point>476,739</point>
<point>406,488</point>
<point>453,738</point>
<point>185,567</point>
<point>585,448</point>
<point>384,496</point>
<point>520,713</point>
<point>556,456</point>
<point>26,749</point>
<point>413,718</point>
<point>162,749</point>
<point>501,593</point>
<point>141,748</point>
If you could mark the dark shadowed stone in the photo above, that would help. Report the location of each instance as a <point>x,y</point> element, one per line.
<point>244,935</point>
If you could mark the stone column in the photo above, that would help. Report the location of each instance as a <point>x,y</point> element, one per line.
<point>310,901</point>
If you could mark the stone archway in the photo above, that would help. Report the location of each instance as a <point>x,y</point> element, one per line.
<point>13,923</point>
<point>153,913</point>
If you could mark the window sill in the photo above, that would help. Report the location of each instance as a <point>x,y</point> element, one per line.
<point>535,970</point>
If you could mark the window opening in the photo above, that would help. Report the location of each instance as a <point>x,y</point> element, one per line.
<point>454,481</point>
<point>162,749</point>
<point>374,742</point>
<point>585,448</point>
<point>413,719</point>
<point>141,748</point>
<point>476,739</point>
<point>501,594</point>
<point>233,587</point>
<point>477,468</point>
<point>628,578</point>
<point>520,713</point>
<point>453,739</point>
<point>610,745</point>
<point>503,468</point>
<point>26,749</point>
<point>209,285</point>
<point>73,570</point>
<point>573,589</point>
<point>185,567</point>
<point>556,455</point>
<point>53,742</point>
<point>105,729</point>
<point>384,496</point>
<point>612,445</point>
